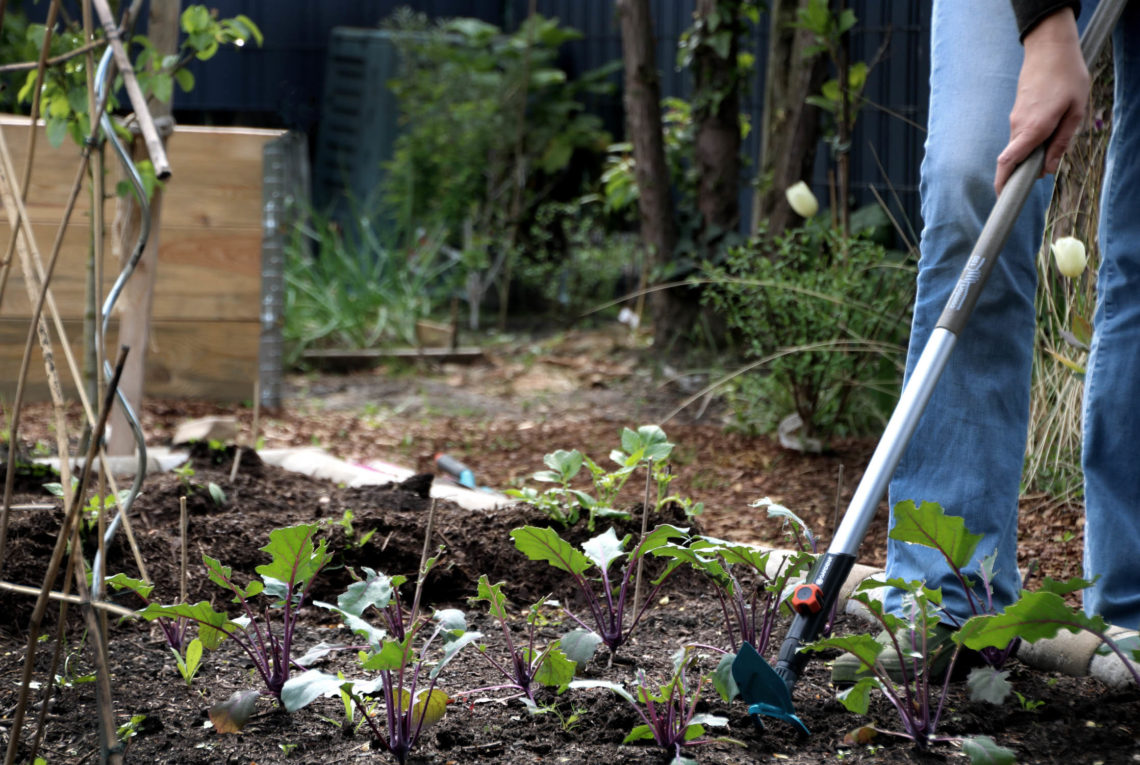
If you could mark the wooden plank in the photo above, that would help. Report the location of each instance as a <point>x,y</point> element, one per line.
<point>215,361</point>
<point>216,183</point>
<point>203,274</point>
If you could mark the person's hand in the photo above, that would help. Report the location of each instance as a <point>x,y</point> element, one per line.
<point>1052,96</point>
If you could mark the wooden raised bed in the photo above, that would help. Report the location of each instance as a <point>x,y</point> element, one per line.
<point>205,329</point>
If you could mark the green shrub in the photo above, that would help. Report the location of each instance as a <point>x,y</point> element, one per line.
<point>823,320</point>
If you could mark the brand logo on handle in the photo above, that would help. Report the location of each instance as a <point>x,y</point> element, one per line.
<point>971,275</point>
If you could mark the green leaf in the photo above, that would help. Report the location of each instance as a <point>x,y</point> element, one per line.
<point>1075,584</point>
<point>210,622</point>
<point>195,18</point>
<point>555,670</point>
<point>56,131</point>
<point>451,620</point>
<point>639,733</point>
<point>723,680</point>
<point>301,690</point>
<point>864,647</point>
<point>295,559</point>
<point>374,590</point>
<point>659,537</point>
<point>982,750</point>
<point>857,698</point>
<point>162,86</point>
<point>493,594</point>
<point>219,574</point>
<point>546,545</point>
<point>929,526</point>
<point>453,647</point>
<point>565,463</point>
<point>254,29</point>
<point>123,582</point>
<point>1082,329</point>
<point>712,721</point>
<point>392,655</point>
<point>185,80</point>
<point>605,548</point>
<point>1035,616</point>
<point>358,625</point>
<point>989,684</point>
<point>579,645</point>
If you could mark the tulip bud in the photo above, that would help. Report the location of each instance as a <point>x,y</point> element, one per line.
<point>802,200</point>
<point>1069,252</point>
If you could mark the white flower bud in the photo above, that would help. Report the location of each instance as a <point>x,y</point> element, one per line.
<point>1069,252</point>
<point>802,200</point>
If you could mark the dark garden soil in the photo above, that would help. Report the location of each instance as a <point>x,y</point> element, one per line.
<point>501,417</point>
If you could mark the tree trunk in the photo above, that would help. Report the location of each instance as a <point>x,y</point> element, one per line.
<point>791,127</point>
<point>643,123</point>
<point>716,117</point>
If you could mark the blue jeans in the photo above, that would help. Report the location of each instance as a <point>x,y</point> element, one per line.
<point>968,451</point>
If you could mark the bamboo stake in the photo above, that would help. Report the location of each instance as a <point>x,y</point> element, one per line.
<point>423,562</point>
<point>183,528</point>
<point>153,142</point>
<point>253,428</point>
<point>644,529</point>
<point>70,515</point>
<point>57,653</point>
<point>23,589</point>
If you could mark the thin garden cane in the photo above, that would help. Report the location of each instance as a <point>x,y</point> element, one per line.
<point>102,81</point>
<point>54,562</point>
<point>767,691</point>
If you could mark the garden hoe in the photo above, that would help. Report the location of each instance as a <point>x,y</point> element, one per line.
<point>768,690</point>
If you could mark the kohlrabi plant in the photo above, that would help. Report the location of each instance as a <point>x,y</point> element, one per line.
<point>608,595</point>
<point>265,633</point>
<point>928,525</point>
<point>918,698</point>
<point>751,584</point>
<point>1036,615</point>
<point>408,661</point>
<point>526,666</point>
<point>668,714</point>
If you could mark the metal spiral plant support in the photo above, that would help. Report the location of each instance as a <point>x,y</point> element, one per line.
<point>102,83</point>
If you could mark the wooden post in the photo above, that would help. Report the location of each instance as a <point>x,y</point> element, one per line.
<point>135,303</point>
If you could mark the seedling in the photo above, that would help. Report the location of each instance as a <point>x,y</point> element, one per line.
<point>647,446</point>
<point>351,537</point>
<point>669,715</point>
<point>407,692</point>
<point>189,666</point>
<point>919,700</point>
<point>526,666</point>
<point>89,516</point>
<point>606,599</point>
<point>751,586</point>
<point>297,559</point>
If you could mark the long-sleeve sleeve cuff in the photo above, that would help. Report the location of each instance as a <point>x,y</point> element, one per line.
<point>1030,12</point>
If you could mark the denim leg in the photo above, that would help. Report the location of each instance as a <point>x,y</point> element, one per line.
<point>968,450</point>
<point>1112,385</point>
